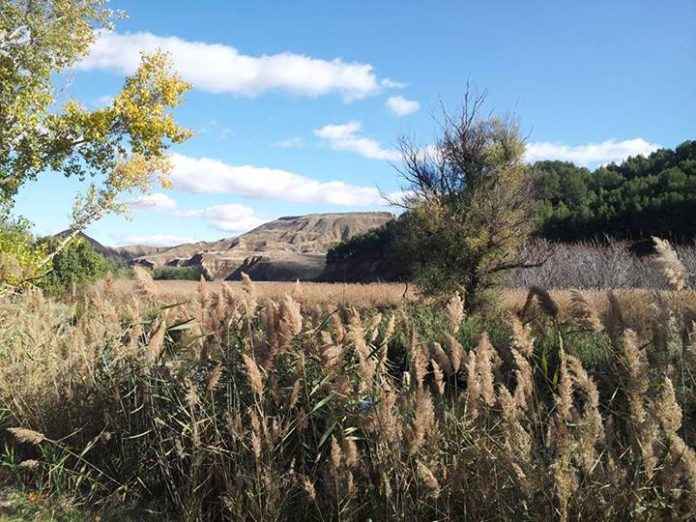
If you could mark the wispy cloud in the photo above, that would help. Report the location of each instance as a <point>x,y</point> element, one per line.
<point>206,175</point>
<point>158,240</point>
<point>347,137</point>
<point>391,84</point>
<point>217,130</point>
<point>590,154</point>
<point>402,106</point>
<point>156,201</point>
<point>229,218</point>
<point>290,143</point>
<point>221,68</point>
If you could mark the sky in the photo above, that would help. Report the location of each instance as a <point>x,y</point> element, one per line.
<point>297,107</point>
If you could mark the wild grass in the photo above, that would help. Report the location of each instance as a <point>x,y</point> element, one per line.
<point>591,265</point>
<point>636,303</point>
<point>230,404</point>
<point>350,294</point>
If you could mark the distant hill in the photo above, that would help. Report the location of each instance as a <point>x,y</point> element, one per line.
<point>113,254</point>
<point>287,248</point>
<point>643,196</point>
<point>123,254</point>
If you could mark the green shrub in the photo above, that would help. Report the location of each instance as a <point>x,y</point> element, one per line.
<point>78,263</point>
<point>177,273</point>
<point>20,256</point>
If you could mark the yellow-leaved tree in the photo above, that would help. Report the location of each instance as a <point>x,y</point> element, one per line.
<point>122,146</point>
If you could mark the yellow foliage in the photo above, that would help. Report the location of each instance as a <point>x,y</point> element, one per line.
<point>124,144</point>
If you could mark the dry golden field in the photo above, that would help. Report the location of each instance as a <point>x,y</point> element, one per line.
<point>637,304</point>
<point>362,295</point>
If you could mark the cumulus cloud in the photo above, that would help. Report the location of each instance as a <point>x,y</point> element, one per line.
<point>591,154</point>
<point>228,218</point>
<point>220,68</point>
<point>158,240</point>
<point>347,137</point>
<point>205,175</point>
<point>156,201</point>
<point>402,106</point>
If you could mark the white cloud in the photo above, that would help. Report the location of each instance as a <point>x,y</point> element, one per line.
<point>591,154</point>
<point>290,143</point>
<point>155,201</point>
<point>221,68</point>
<point>347,137</point>
<point>229,218</point>
<point>401,106</point>
<point>391,84</point>
<point>159,240</point>
<point>205,175</point>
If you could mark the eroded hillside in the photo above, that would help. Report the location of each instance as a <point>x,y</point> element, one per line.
<point>287,248</point>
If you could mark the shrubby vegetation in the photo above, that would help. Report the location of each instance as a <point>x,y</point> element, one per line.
<point>47,263</point>
<point>230,408</point>
<point>379,251</point>
<point>469,205</point>
<point>75,265</point>
<point>177,273</point>
<point>591,265</point>
<point>633,201</point>
<point>20,256</point>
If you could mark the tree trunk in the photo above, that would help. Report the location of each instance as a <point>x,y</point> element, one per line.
<point>471,288</point>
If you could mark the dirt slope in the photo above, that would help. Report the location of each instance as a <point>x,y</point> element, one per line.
<point>285,249</point>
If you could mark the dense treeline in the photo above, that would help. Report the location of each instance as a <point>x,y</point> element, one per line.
<point>640,198</point>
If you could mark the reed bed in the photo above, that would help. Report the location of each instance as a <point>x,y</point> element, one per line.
<point>637,303</point>
<point>234,404</point>
<point>346,294</point>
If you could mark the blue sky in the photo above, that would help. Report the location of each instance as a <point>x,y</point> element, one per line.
<point>297,106</point>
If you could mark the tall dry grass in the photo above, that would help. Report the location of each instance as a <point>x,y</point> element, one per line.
<point>236,406</point>
<point>593,265</point>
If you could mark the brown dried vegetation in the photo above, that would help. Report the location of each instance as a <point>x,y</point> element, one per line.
<point>237,406</point>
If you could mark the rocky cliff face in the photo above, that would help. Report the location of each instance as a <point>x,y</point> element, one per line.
<point>286,249</point>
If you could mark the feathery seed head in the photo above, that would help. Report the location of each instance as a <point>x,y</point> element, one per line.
<point>670,264</point>
<point>253,374</point>
<point>27,436</point>
<point>455,313</point>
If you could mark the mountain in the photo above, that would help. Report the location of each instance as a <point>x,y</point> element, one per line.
<point>285,249</point>
<point>113,254</point>
<point>123,254</point>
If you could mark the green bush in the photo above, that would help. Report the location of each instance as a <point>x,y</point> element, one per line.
<point>20,256</point>
<point>177,273</point>
<point>78,263</point>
